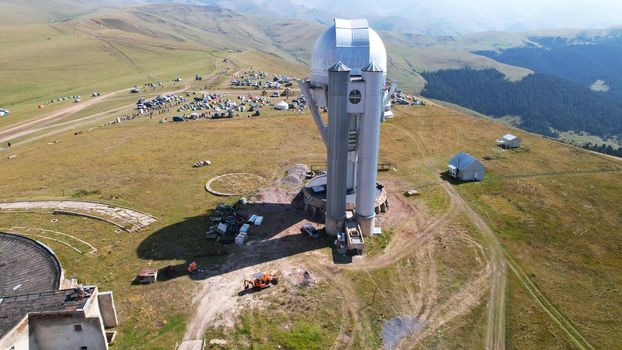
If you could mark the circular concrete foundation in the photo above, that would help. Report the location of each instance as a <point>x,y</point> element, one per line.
<point>315,198</point>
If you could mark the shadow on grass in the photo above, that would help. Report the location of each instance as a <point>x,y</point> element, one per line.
<point>452,180</point>
<point>278,237</point>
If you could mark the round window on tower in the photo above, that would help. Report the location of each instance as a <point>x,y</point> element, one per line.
<point>355,96</point>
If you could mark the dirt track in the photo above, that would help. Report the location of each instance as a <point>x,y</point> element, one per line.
<point>495,329</point>
<point>51,121</point>
<point>217,301</point>
<point>30,126</point>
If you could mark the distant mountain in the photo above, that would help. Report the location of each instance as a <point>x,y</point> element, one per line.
<point>442,17</point>
<point>491,72</point>
<point>430,17</point>
<point>591,59</point>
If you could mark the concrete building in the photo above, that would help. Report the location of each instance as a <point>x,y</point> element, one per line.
<point>509,141</point>
<point>36,315</point>
<point>466,168</point>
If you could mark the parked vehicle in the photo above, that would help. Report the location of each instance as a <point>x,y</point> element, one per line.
<point>310,231</point>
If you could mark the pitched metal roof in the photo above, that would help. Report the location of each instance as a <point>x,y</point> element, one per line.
<point>462,160</point>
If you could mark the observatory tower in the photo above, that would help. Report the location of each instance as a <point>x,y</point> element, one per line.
<point>348,77</point>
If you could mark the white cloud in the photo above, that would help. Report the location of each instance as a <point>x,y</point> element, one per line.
<point>485,14</point>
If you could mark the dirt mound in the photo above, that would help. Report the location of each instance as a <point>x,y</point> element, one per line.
<point>295,175</point>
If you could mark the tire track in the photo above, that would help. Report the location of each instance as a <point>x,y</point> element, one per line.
<point>495,328</point>
<point>564,323</point>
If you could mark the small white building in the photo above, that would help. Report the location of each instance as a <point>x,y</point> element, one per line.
<point>466,168</point>
<point>509,141</point>
<point>35,314</point>
<point>58,319</point>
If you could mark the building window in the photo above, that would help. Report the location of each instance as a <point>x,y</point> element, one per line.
<point>355,96</point>
<point>77,327</point>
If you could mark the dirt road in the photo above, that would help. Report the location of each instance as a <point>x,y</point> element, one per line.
<point>495,328</point>
<point>25,128</point>
<point>52,121</point>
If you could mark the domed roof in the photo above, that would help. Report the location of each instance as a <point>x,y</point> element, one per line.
<point>351,42</point>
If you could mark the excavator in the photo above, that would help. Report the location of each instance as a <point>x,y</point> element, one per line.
<point>260,281</point>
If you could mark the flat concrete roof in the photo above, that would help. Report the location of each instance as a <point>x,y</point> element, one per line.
<point>14,308</point>
<point>26,266</point>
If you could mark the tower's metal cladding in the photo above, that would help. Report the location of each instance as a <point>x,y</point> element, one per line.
<point>337,155</point>
<point>348,76</point>
<point>368,146</point>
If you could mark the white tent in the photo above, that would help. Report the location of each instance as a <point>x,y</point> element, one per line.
<point>281,105</point>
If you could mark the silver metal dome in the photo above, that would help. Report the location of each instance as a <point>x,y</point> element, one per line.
<point>351,42</point>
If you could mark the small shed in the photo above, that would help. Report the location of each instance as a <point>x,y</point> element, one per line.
<point>509,141</point>
<point>466,168</point>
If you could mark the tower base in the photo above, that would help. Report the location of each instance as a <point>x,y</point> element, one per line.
<point>314,194</point>
<point>334,226</point>
<point>366,225</point>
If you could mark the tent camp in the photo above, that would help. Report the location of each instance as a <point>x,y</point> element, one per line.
<point>281,106</point>
<point>509,141</point>
<point>466,168</point>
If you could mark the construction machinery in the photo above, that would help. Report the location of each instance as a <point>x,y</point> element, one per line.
<point>260,281</point>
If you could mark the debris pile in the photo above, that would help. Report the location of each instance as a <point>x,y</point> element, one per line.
<point>296,175</point>
<point>201,163</point>
<point>227,225</point>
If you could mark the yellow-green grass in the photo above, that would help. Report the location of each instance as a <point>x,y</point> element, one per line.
<point>466,332</point>
<point>555,209</point>
<point>148,166</point>
<point>55,60</point>
<point>394,290</point>
<point>238,183</point>
<point>530,326</point>
<point>150,316</point>
<point>290,316</point>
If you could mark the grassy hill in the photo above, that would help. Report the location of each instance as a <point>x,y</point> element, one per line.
<point>554,208</point>
<point>108,49</point>
<point>560,232</point>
